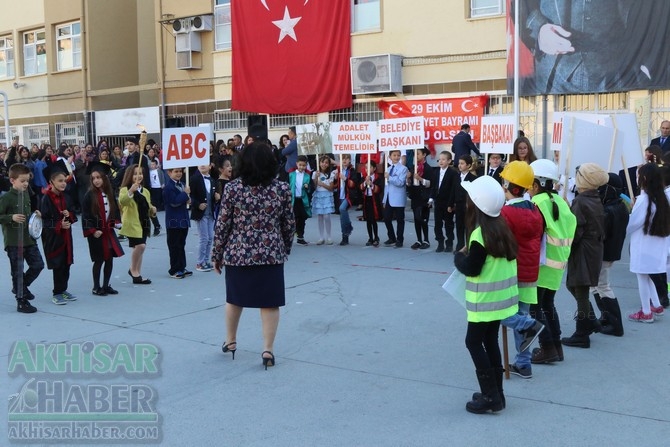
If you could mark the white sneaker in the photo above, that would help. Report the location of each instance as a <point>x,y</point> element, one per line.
<point>329,242</point>
<point>319,242</point>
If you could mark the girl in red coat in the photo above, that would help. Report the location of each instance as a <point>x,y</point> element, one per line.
<point>100,214</point>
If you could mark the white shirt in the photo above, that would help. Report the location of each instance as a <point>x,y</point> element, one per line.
<point>153,176</point>
<point>298,183</point>
<point>442,172</point>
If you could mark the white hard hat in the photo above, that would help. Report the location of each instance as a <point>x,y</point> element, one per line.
<point>546,169</point>
<point>487,194</point>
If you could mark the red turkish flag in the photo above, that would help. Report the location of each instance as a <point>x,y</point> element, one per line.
<point>291,56</point>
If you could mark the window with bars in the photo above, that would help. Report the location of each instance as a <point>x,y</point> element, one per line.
<point>286,120</point>
<point>362,111</point>
<point>230,120</point>
<point>598,102</point>
<point>71,133</point>
<point>36,134</point>
<point>190,119</point>
<point>3,136</point>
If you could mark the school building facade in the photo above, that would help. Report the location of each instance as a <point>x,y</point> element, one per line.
<point>74,70</point>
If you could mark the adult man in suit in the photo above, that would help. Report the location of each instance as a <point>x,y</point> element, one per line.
<point>462,143</point>
<point>664,140</point>
<point>395,197</point>
<point>444,188</point>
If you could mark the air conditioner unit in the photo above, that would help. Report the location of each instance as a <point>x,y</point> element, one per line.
<point>380,73</point>
<point>188,42</point>
<point>181,26</point>
<point>201,23</point>
<point>188,60</point>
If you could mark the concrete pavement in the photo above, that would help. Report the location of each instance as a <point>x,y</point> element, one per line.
<point>370,352</point>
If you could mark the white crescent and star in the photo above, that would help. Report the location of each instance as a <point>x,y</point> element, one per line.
<point>464,105</point>
<point>286,25</point>
<point>391,111</point>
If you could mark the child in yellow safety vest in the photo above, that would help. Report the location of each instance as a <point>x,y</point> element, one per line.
<point>489,263</point>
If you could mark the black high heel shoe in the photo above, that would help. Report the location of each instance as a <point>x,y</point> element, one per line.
<point>268,361</point>
<point>226,348</point>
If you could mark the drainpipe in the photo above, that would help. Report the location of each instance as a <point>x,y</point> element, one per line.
<point>84,75</point>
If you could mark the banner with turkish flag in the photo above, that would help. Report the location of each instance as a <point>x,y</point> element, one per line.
<point>291,56</point>
<point>442,118</point>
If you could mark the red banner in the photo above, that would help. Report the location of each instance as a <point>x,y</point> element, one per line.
<point>291,56</point>
<point>442,118</point>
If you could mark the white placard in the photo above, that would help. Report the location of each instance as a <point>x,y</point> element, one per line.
<point>125,121</point>
<point>497,136</point>
<point>314,139</point>
<point>584,142</point>
<point>354,137</point>
<point>563,117</point>
<point>401,134</point>
<point>628,142</point>
<point>185,146</point>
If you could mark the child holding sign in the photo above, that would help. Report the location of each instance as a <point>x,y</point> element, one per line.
<point>323,202</point>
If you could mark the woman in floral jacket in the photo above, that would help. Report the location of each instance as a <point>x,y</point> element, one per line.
<point>252,239</point>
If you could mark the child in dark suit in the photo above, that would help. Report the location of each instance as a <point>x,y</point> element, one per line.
<point>372,203</point>
<point>443,196</point>
<point>57,222</point>
<point>176,197</point>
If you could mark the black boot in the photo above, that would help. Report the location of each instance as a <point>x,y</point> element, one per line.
<point>615,326</point>
<point>440,246</point>
<point>490,397</point>
<point>499,384</point>
<point>603,310</point>
<point>559,350</point>
<point>580,339</point>
<point>594,323</point>
<point>345,240</point>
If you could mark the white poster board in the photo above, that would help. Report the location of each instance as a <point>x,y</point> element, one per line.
<point>584,142</point>
<point>401,134</point>
<point>314,139</point>
<point>563,117</point>
<point>497,135</point>
<point>354,137</point>
<point>125,121</point>
<point>185,146</point>
<point>628,142</point>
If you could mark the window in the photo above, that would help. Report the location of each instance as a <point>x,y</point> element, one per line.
<point>486,8</point>
<point>37,134</point>
<point>361,111</point>
<point>286,120</point>
<point>71,133</point>
<point>365,15</point>
<point>68,42</point>
<point>230,120</point>
<point>6,57</point>
<point>34,52</point>
<point>222,29</point>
